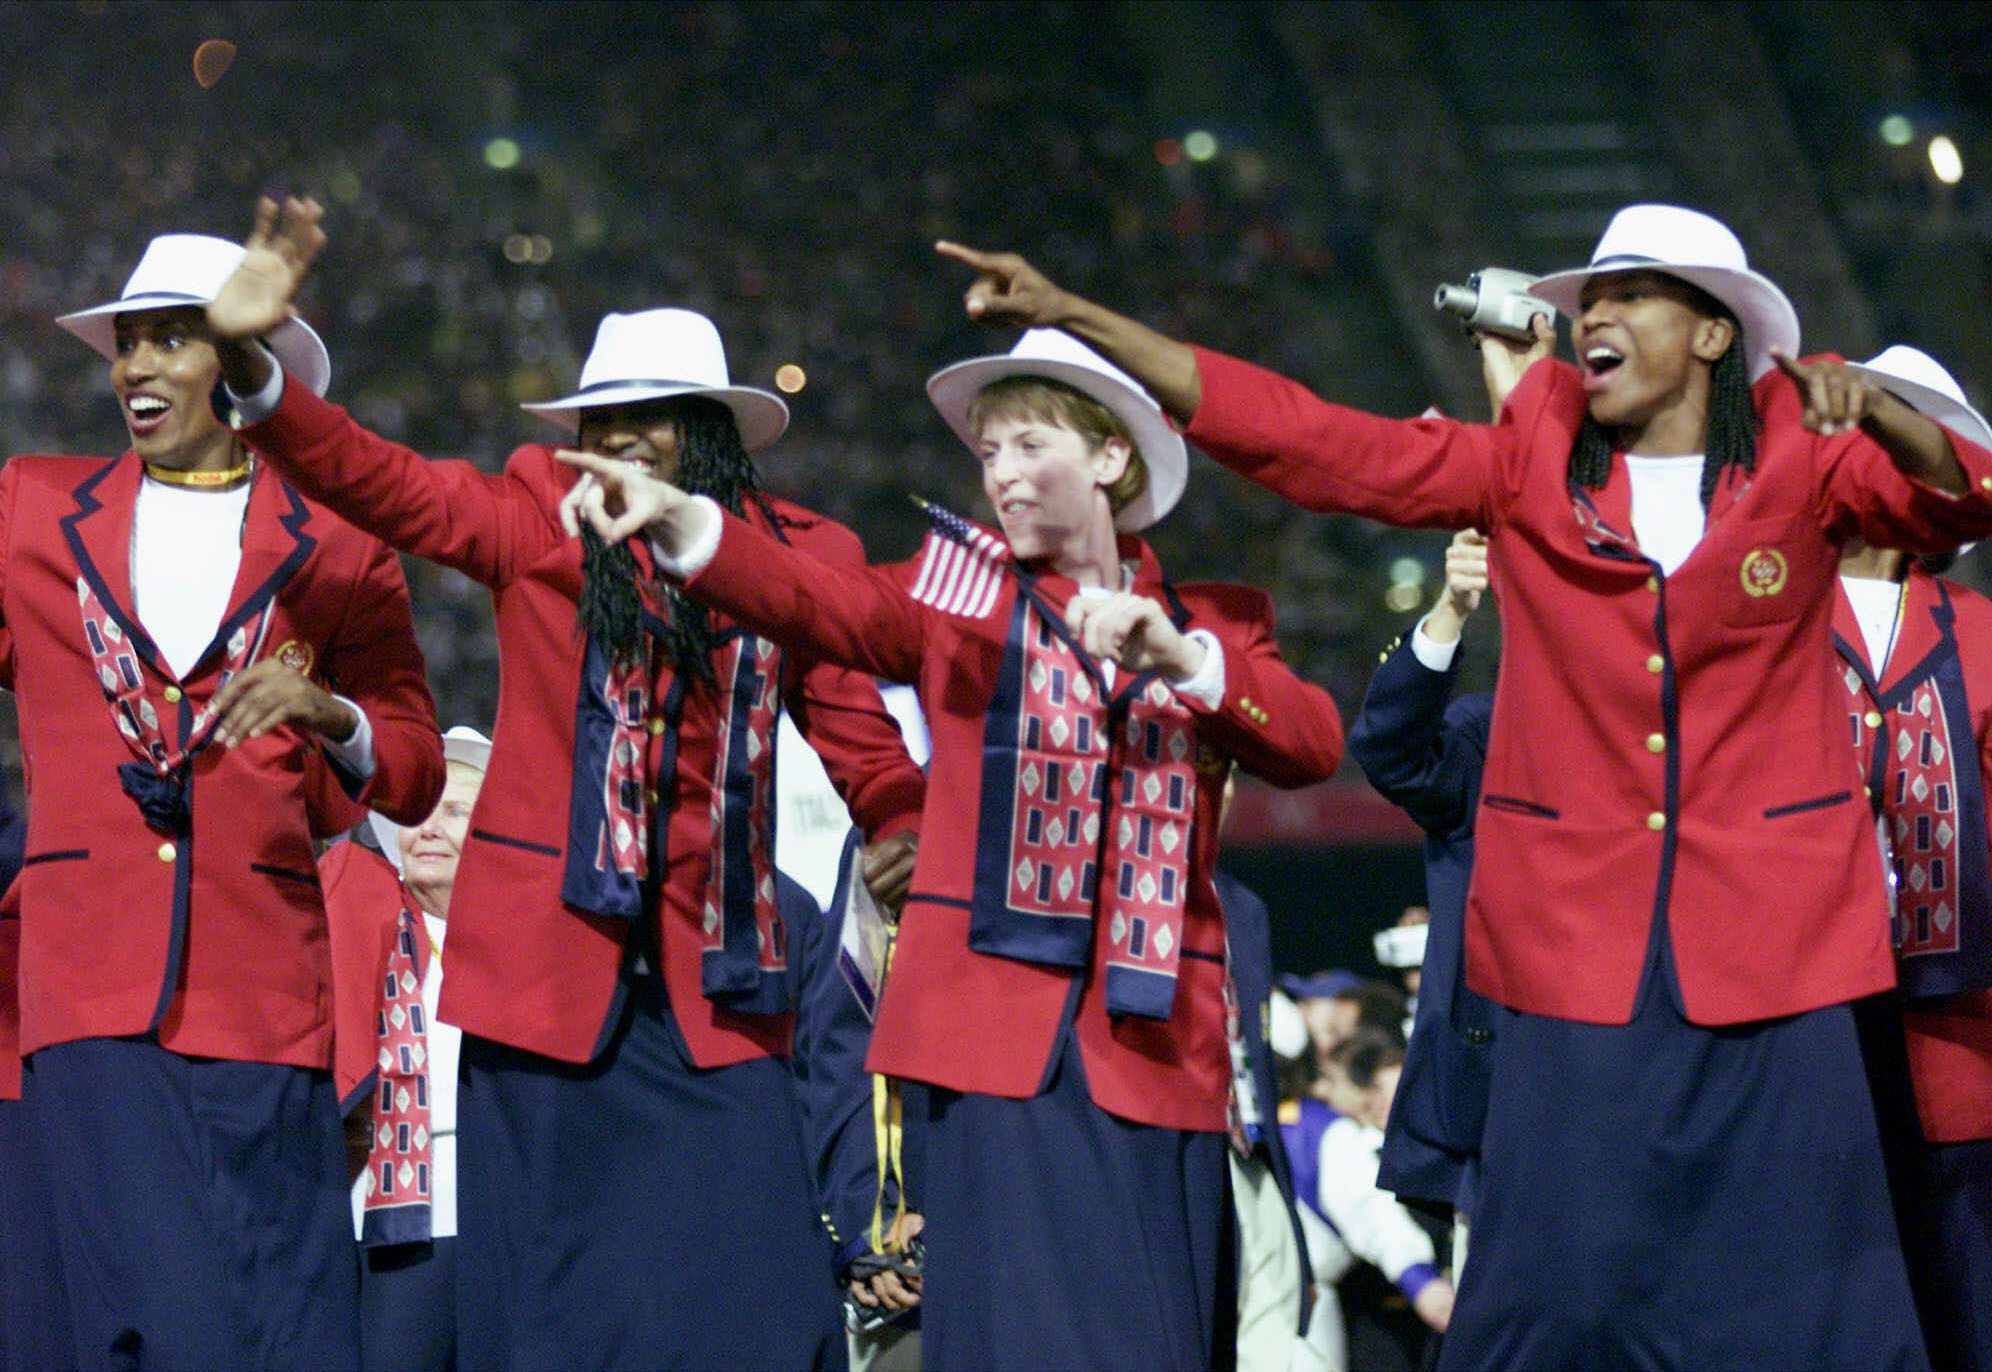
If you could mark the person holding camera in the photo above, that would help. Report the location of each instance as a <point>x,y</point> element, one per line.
<point>1676,889</point>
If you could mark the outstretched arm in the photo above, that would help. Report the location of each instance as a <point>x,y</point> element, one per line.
<point>1009,290</point>
<point>1837,399</point>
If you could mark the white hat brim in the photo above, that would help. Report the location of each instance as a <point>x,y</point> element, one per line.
<point>460,744</point>
<point>762,416</point>
<point>1929,401</point>
<point>953,390</point>
<point>1768,318</point>
<point>298,348</point>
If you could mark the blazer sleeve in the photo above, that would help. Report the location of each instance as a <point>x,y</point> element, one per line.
<point>855,616</point>
<point>831,1038</point>
<point>1421,756</point>
<point>487,527</point>
<point>841,714</point>
<point>374,660</point>
<point>1321,456</point>
<point>1273,724</point>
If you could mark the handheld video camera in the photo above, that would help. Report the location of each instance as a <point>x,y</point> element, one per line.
<point>1494,300</point>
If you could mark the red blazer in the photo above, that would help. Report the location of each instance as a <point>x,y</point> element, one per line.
<point>522,967</point>
<point>217,943</point>
<point>1659,744</point>
<point>1949,1040</point>
<point>975,1022</point>
<point>363,906</point>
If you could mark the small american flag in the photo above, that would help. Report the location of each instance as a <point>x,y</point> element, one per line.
<point>961,564</point>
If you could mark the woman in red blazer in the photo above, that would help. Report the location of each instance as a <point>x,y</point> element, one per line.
<point>191,640</point>
<point>1677,889</point>
<point>631,1176</point>
<point>1061,968</point>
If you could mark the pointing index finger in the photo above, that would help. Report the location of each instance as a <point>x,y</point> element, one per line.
<point>964,254</point>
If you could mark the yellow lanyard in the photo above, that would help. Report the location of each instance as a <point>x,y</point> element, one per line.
<point>888,1129</point>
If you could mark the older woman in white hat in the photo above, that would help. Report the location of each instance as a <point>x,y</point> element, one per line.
<point>1060,970</point>
<point>631,1175</point>
<point>174,992</point>
<point>1916,654</point>
<point>1676,889</point>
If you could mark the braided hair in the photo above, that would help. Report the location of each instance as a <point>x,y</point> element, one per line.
<point>1731,440</point>
<point>711,462</point>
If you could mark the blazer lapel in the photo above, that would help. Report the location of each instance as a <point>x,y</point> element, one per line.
<point>98,532</point>
<point>275,544</point>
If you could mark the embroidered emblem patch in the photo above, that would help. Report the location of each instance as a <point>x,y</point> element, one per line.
<point>1764,572</point>
<point>297,656</point>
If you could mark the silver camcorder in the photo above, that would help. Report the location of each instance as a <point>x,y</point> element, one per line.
<point>1494,300</point>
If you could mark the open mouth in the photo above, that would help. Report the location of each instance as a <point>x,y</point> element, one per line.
<point>1600,363</point>
<point>146,412</point>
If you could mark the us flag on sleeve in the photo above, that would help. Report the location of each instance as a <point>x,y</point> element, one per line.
<point>961,564</point>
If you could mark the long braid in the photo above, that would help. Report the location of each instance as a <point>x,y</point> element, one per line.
<point>1731,440</point>
<point>711,462</point>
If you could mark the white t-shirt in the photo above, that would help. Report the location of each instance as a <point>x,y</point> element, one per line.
<point>1667,514</point>
<point>1877,609</point>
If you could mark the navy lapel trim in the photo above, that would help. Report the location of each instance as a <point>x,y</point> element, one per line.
<point>88,505</point>
<point>292,521</point>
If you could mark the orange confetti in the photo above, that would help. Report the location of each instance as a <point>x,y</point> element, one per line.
<point>211,61</point>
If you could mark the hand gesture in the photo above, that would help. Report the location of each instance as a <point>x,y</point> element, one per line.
<point>1135,632</point>
<point>895,1291</point>
<point>269,694</point>
<point>887,867</point>
<point>1466,570</point>
<point>1008,290</point>
<point>616,498</point>
<point>281,248</point>
<point>1836,397</point>
<point>1503,360</point>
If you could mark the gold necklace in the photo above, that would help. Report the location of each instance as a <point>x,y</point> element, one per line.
<point>205,480</point>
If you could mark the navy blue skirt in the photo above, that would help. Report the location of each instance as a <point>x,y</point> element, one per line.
<point>1662,1195</point>
<point>201,1208</point>
<point>636,1212</point>
<point>1061,1236</point>
<point>34,1313</point>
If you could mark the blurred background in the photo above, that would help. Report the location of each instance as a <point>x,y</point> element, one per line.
<point>1287,181</point>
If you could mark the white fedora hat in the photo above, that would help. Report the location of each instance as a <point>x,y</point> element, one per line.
<point>656,354</point>
<point>1058,356</point>
<point>181,269</point>
<point>1698,249</point>
<point>1923,383</point>
<point>461,744</point>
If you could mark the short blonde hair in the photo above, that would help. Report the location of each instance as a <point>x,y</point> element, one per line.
<point>1054,402</point>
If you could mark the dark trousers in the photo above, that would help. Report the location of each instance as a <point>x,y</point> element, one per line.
<point>408,1307</point>
<point>1662,1195</point>
<point>201,1208</point>
<point>1061,1236</point>
<point>636,1212</point>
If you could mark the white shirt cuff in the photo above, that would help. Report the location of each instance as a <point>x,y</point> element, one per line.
<point>699,549</point>
<point>1436,656</point>
<point>254,409</point>
<point>356,754</point>
<point>1206,687</point>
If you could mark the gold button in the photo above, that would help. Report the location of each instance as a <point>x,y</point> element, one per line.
<point>1656,664</point>
<point>167,852</point>
<point>1872,719</point>
<point>1383,657</point>
<point>1656,821</point>
<point>1985,482</point>
<point>1245,704</point>
<point>650,794</point>
<point>1653,584</point>
<point>656,726</point>
<point>172,694</point>
<point>1656,743</point>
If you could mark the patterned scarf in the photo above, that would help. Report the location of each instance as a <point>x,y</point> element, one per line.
<point>400,1169</point>
<point>157,782</point>
<point>1081,782</point>
<point>625,742</point>
<point>1930,797</point>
